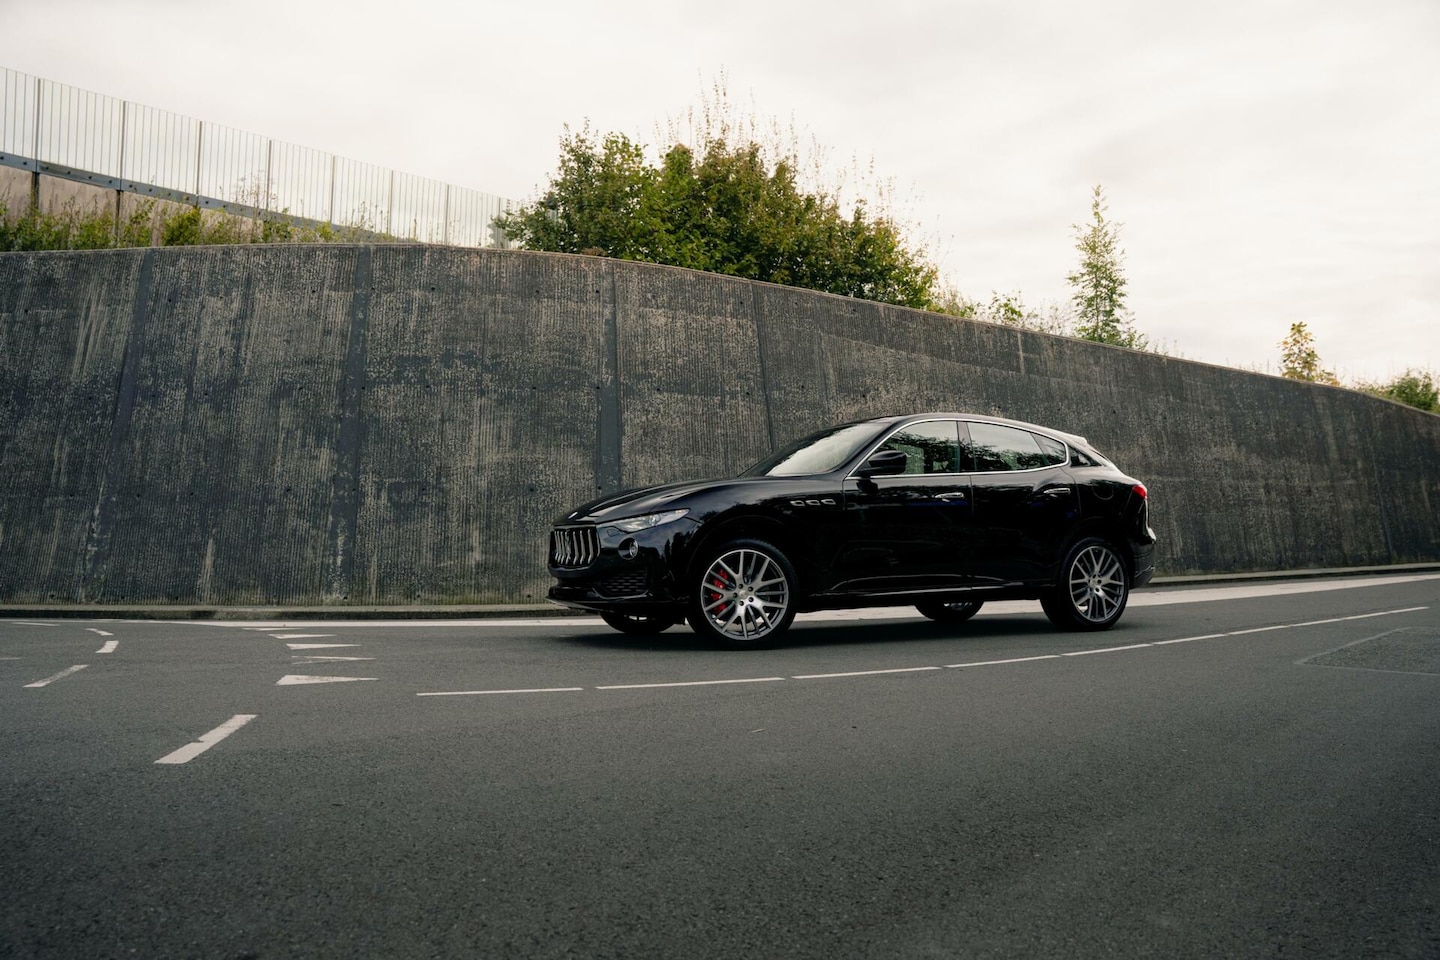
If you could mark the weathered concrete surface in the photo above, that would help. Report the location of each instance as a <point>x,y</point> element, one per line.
<point>398,424</point>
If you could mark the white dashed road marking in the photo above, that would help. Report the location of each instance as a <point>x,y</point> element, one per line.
<point>63,673</point>
<point>319,646</point>
<point>109,646</point>
<point>315,659</point>
<point>295,678</point>
<point>300,636</point>
<point>103,633</point>
<point>192,750</point>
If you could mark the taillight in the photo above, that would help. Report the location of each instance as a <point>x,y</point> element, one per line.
<point>1140,491</point>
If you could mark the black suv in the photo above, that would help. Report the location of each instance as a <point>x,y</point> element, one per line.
<point>940,510</point>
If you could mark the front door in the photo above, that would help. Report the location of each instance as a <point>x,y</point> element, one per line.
<point>908,531</point>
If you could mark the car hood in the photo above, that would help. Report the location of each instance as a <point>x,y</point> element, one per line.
<point>634,503</point>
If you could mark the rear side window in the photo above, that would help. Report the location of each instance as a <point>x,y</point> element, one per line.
<point>995,448</point>
<point>930,447</point>
<point>1053,450</point>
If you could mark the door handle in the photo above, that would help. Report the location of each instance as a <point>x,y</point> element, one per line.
<point>1057,492</point>
<point>950,496</point>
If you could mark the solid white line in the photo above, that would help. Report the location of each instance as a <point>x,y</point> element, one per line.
<point>1383,613</point>
<point>32,623</point>
<point>319,646</point>
<point>1278,626</point>
<point>859,673</point>
<point>192,750</point>
<point>63,673</point>
<point>691,683</point>
<point>481,693</point>
<point>109,646</point>
<point>1084,653</point>
<point>300,636</point>
<point>996,663</point>
<point>1207,636</point>
<point>102,633</point>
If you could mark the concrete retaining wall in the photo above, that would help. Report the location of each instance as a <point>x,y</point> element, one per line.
<point>350,424</point>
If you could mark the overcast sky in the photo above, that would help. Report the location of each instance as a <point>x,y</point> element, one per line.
<point>1271,161</point>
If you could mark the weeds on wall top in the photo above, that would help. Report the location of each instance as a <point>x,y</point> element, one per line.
<point>147,224</point>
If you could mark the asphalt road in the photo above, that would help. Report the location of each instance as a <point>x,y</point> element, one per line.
<point>1235,772</point>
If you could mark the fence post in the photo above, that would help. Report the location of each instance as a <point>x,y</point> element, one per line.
<point>390,206</point>
<point>445,234</point>
<point>199,148</point>
<point>35,173</point>
<point>330,214</point>
<point>120,174</point>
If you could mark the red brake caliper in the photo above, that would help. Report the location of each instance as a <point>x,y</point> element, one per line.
<point>719,584</point>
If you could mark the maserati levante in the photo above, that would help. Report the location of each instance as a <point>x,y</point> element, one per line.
<point>942,511</point>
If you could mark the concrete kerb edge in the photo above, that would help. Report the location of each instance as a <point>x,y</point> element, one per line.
<point>534,610</point>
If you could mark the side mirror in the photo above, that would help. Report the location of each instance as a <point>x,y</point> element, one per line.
<point>883,463</point>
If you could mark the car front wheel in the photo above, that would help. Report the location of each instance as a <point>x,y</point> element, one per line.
<point>743,595</point>
<point>1092,589</point>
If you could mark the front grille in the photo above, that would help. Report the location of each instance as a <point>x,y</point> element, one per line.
<point>573,547</point>
<point>622,585</point>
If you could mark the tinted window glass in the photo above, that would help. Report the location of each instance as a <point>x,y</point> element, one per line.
<point>931,447</point>
<point>995,447</point>
<point>1053,450</point>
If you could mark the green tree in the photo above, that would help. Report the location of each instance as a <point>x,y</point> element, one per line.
<point>1417,388</point>
<point>725,209</point>
<point>1099,284</point>
<point>600,201</point>
<point>1299,360</point>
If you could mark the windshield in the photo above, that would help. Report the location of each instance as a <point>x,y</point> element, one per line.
<point>818,453</point>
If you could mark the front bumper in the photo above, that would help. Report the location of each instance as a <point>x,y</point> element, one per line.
<point>629,572</point>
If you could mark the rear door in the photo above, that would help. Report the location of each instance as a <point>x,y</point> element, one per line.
<point>1024,500</point>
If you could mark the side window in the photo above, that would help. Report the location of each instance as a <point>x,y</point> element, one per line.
<point>930,447</point>
<point>1053,451</point>
<point>997,447</point>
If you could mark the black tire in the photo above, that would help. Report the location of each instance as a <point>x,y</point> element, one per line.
<point>743,595</point>
<point>950,612</point>
<point>637,626</point>
<point>1092,589</point>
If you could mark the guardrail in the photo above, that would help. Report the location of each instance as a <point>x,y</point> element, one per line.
<point>62,131</point>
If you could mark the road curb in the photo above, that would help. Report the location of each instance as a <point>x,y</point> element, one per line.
<point>94,611</point>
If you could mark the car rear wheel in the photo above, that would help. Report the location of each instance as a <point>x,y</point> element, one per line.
<point>950,612</point>
<point>1092,590</point>
<point>637,626</point>
<point>743,595</point>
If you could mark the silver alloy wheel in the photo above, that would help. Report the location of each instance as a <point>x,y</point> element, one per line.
<point>744,594</point>
<point>1097,583</point>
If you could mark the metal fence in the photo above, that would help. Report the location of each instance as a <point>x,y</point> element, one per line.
<point>62,131</point>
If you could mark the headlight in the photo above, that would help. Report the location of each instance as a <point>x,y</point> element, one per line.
<point>636,524</point>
